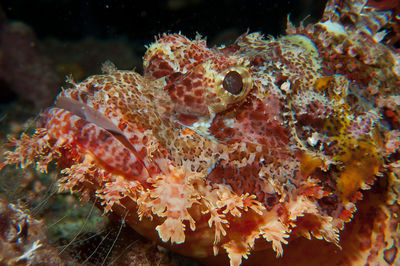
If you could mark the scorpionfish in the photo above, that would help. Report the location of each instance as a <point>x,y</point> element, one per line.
<point>283,148</point>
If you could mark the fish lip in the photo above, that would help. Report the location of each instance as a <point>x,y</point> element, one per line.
<point>87,113</point>
<point>91,115</point>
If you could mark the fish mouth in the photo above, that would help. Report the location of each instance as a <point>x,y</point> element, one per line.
<point>88,113</point>
<point>93,116</point>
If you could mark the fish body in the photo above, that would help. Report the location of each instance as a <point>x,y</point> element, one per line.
<point>266,144</point>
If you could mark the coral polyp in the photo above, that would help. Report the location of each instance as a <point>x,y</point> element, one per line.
<point>270,146</point>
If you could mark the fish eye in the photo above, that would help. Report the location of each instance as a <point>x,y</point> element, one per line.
<point>233,85</point>
<point>233,82</point>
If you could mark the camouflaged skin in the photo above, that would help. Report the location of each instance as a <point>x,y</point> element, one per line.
<point>264,143</point>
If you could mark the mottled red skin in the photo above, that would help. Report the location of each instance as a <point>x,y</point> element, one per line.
<point>284,159</point>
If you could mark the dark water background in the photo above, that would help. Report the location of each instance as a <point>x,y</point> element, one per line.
<point>141,20</point>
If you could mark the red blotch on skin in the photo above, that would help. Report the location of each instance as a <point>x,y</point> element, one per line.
<point>187,119</point>
<point>217,127</point>
<point>257,60</point>
<point>142,153</point>
<point>197,84</point>
<point>158,67</point>
<point>179,90</point>
<point>187,83</point>
<point>189,100</point>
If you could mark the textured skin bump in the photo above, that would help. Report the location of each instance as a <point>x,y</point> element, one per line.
<point>266,147</point>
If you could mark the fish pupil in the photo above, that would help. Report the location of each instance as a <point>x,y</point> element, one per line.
<point>233,83</point>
